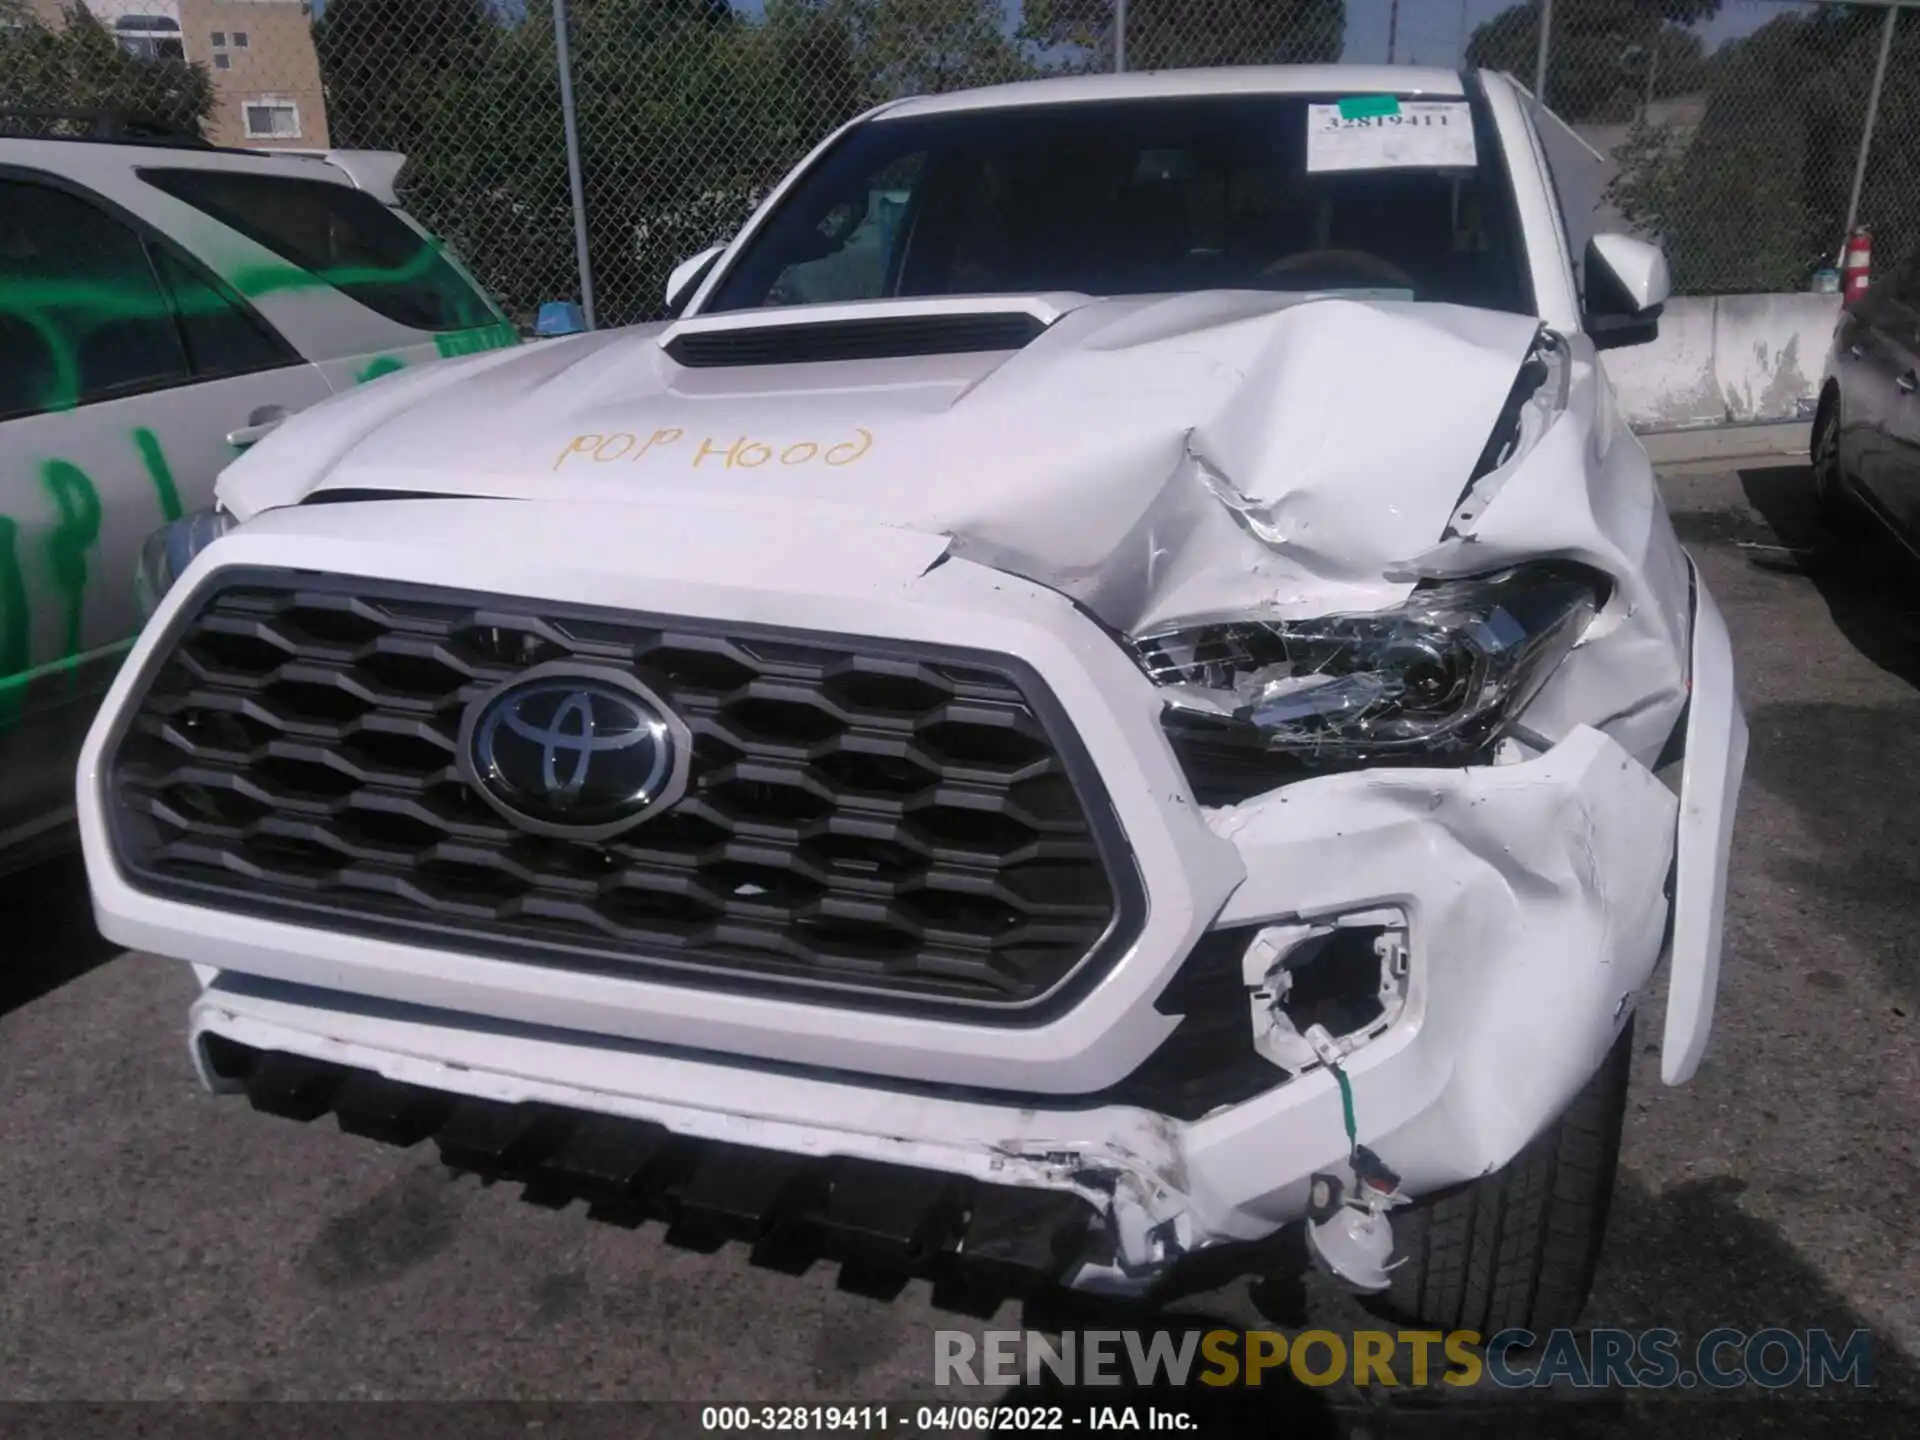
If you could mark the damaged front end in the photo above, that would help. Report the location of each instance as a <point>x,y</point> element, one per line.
<point>1414,651</point>
<point>1505,645</point>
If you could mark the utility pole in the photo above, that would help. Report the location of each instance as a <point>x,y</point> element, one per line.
<point>1463,34</point>
<point>570,119</point>
<point>1540,61</point>
<point>1873,116</point>
<point>1393,29</point>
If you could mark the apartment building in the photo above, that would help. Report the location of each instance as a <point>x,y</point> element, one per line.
<point>259,54</point>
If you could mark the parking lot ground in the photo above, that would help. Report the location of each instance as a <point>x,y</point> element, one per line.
<point>158,1243</point>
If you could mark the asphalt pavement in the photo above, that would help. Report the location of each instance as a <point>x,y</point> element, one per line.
<point>158,1243</point>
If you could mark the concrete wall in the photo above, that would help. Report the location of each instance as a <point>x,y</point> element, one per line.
<point>1731,359</point>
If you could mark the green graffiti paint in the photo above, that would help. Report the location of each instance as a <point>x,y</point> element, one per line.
<point>16,630</point>
<point>64,381</point>
<point>472,342</point>
<point>158,471</point>
<point>276,276</point>
<point>16,686</point>
<point>65,313</point>
<point>450,344</point>
<point>78,502</point>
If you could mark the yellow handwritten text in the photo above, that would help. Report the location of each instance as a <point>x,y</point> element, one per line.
<point>715,452</point>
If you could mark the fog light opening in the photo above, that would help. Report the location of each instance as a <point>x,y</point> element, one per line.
<point>1348,977</point>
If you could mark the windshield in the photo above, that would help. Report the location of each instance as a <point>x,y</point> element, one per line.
<point>1272,192</point>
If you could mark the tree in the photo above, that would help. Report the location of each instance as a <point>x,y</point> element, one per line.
<point>1605,58</point>
<point>1755,199</point>
<point>812,63</point>
<point>686,116</point>
<point>914,47</point>
<point>386,65</point>
<point>687,113</point>
<point>1172,34</point>
<point>77,66</point>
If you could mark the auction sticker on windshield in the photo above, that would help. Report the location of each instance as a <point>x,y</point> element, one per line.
<point>1389,135</point>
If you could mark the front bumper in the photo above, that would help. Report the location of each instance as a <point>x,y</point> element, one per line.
<point>1534,899</point>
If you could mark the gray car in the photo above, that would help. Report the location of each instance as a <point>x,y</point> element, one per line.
<point>1866,431</point>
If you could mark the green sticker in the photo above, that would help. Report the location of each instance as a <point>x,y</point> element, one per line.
<point>1368,107</point>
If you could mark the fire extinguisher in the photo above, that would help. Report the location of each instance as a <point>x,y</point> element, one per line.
<point>1856,261</point>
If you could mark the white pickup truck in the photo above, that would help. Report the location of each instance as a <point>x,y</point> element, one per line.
<point>1112,685</point>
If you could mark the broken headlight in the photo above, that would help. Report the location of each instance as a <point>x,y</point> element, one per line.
<point>1431,681</point>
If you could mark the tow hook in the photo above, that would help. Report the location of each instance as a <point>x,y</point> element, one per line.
<point>1348,1231</point>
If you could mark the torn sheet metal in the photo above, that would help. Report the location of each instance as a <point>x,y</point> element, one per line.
<point>1161,461</point>
<point>1537,895</point>
<point>1095,460</point>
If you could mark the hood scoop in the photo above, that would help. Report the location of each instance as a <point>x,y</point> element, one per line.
<point>890,338</point>
<point>866,330</point>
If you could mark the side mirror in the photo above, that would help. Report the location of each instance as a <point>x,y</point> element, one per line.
<point>687,275</point>
<point>1627,283</point>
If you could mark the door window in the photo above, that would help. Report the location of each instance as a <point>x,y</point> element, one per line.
<point>343,237</point>
<point>82,314</point>
<point>222,337</point>
<point>853,249</point>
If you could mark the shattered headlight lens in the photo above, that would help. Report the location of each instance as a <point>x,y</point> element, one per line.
<point>1433,680</point>
<point>170,549</point>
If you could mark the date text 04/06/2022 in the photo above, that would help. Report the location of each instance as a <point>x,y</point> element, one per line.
<point>937,1419</point>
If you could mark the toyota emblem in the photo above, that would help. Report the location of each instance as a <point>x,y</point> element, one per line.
<point>574,752</point>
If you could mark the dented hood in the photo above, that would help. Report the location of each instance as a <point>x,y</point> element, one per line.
<point>1154,458</point>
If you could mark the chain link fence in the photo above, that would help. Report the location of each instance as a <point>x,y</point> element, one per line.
<point>1736,131</point>
<point>1732,129</point>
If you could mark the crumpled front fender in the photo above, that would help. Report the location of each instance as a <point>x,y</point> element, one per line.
<point>1535,897</point>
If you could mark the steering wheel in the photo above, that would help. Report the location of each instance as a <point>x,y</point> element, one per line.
<point>1342,262</point>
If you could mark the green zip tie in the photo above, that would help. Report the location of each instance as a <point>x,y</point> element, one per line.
<point>1346,1104</point>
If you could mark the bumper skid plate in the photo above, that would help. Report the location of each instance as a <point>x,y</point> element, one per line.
<point>884,1224</point>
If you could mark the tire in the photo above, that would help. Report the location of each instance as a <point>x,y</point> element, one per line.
<point>1517,1248</point>
<point>1830,497</point>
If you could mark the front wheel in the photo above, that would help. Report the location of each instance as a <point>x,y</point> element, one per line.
<point>1829,482</point>
<point>1517,1248</point>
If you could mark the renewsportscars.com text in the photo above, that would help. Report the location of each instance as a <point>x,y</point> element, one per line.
<point>1658,1359</point>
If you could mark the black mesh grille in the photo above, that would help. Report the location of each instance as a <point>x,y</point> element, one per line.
<point>898,825</point>
<point>888,338</point>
